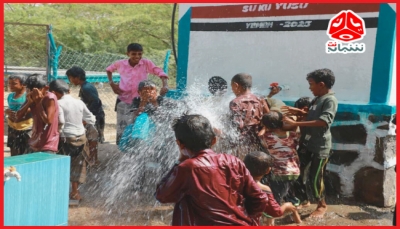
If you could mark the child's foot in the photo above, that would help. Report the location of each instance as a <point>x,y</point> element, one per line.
<point>270,222</point>
<point>319,212</point>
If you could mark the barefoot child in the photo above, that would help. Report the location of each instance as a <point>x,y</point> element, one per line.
<point>316,135</point>
<point>43,106</point>
<point>209,188</point>
<point>73,139</point>
<point>260,164</point>
<point>18,132</point>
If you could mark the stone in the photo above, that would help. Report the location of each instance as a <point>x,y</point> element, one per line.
<point>374,186</point>
<point>343,157</point>
<point>349,134</point>
<point>379,118</point>
<point>385,150</point>
<point>347,116</point>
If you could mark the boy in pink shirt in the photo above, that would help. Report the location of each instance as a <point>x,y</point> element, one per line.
<point>132,71</point>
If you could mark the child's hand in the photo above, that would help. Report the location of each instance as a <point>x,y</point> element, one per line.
<point>37,95</point>
<point>292,111</point>
<point>288,121</point>
<point>29,98</point>
<point>9,112</point>
<point>164,90</point>
<point>274,90</point>
<point>289,207</point>
<point>115,88</point>
<point>262,131</point>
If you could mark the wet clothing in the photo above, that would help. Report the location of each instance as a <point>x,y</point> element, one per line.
<point>213,189</point>
<point>246,113</point>
<point>315,147</point>
<point>283,150</point>
<point>312,176</point>
<point>18,132</point>
<point>17,140</point>
<point>286,167</point>
<point>15,104</point>
<point>77,148</point>
<point>319,139</point>
<point>75,111</point>
<point>45,137</point>
<point>89,95</point>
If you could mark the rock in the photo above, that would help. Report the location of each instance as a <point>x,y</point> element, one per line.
<point>374,186</point>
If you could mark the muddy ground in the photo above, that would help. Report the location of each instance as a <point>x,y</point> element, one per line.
<point>343,212</point>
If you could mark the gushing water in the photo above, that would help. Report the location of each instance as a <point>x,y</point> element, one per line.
<point>129,181</point>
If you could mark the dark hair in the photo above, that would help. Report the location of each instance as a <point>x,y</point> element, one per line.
<point>243,79</point>
<point>322,75</point>
<point>272,120</point>
<point>20,77</point>
<point>76,72</point>
<point>38,81</point>
<point>193,131</point>
<point>258,163</point>
<point>303,102</point>
<point>217,84</point>
<point>59,86</point>
<point>134,47</point>
<point>146,83</point>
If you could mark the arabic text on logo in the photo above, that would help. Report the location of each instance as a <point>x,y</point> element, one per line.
<point>345,28</point>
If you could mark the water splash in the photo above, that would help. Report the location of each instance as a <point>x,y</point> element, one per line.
<point>129,180</point>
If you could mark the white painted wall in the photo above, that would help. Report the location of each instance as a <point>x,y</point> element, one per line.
<point>283,57</point>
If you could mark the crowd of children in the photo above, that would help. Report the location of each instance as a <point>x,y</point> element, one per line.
<point>280,151</point>
<point>43,117</point>
<point>281,160</point>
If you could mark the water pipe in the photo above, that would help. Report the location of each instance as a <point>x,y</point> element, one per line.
<point>11,172</point>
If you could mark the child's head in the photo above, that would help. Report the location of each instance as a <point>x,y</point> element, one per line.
<point>59,88</point>
<point>76,75</point>
<point>217,85</point>
<point>258,163</point>
<point>320,80</point>
<point>303,103</point>
<point>38,81</point>
<point>16,82</point>
<point>193,132</point>
<point>147,88</point>
<point>134,52</point>
<point>272,120</point>
<point>240,83</point>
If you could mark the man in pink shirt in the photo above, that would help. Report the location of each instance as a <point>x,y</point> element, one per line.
<point>132,71</point>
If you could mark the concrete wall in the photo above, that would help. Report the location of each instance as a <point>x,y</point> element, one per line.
<point>225,39</point>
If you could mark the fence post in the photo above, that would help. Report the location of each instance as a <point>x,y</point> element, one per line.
<point>166,61</point>
<point>48,50</point>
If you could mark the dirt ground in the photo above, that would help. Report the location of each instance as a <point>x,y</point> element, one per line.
<point>343,212</point>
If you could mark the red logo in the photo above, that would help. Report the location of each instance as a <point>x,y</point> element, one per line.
<point>346,26</point>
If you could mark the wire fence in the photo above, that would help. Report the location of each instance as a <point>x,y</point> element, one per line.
<point>40,54</point>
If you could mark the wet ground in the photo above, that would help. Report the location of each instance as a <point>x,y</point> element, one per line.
<point>343,212</point>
